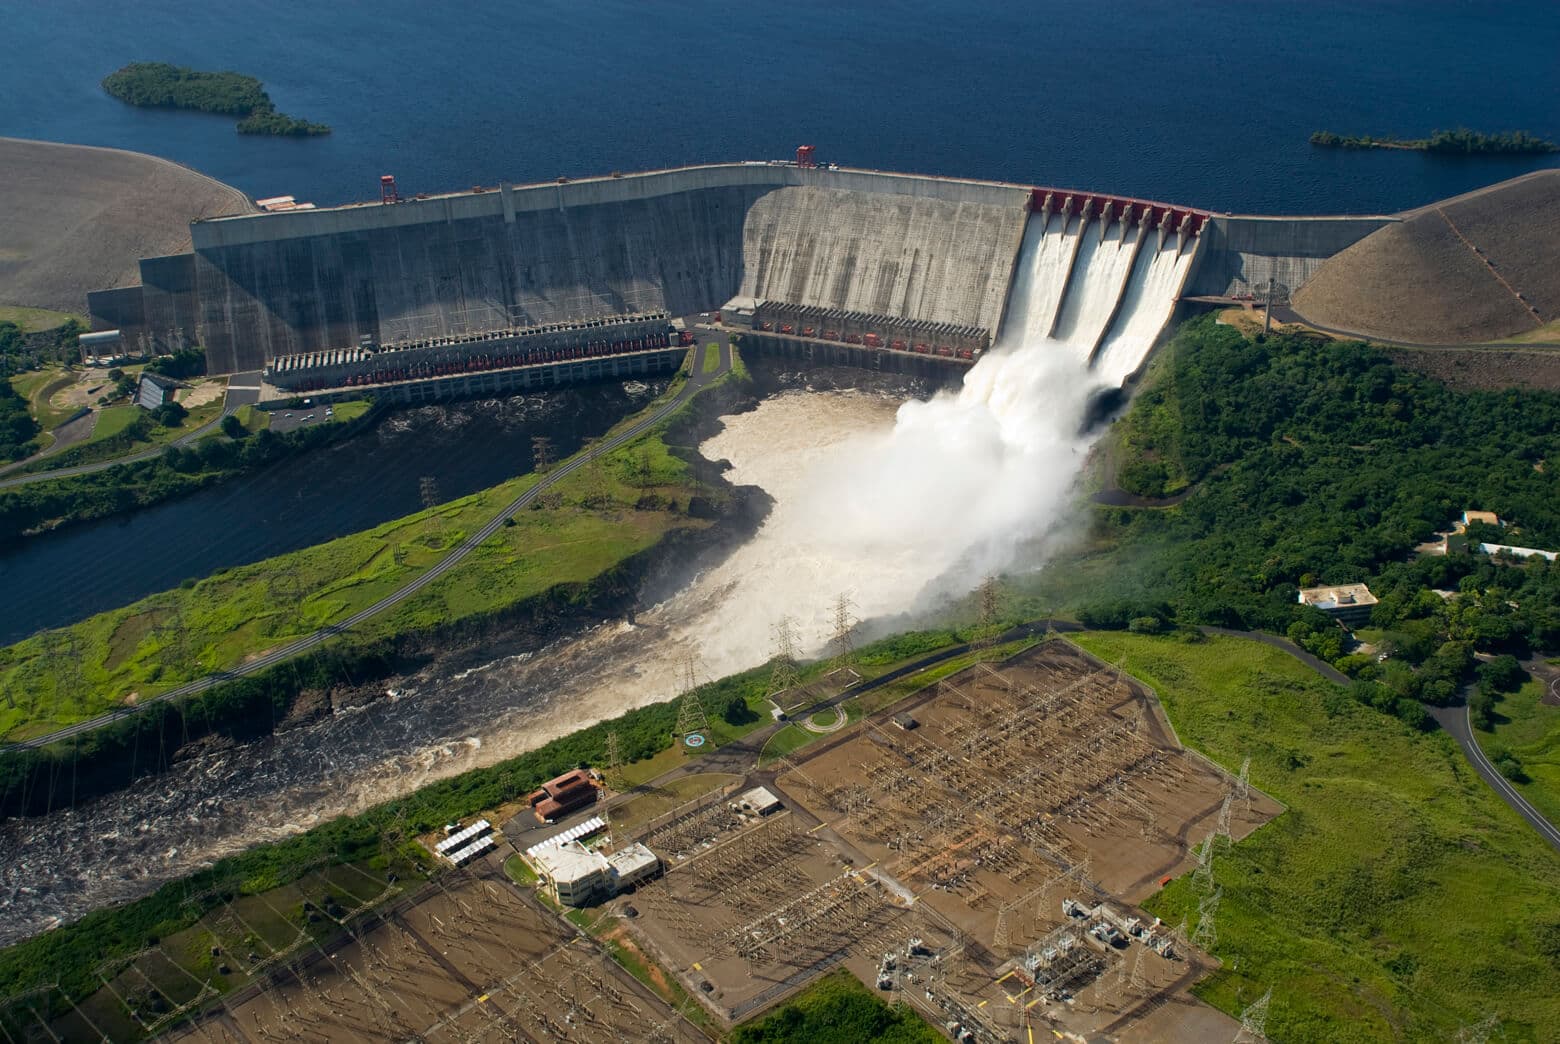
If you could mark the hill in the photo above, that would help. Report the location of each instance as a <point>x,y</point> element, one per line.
<point>75,218</point>
<point>1474,268</point>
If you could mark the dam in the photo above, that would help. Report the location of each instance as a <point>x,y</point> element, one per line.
<point>904,257</point>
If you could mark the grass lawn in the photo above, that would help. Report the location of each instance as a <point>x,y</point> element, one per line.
<point>350,410</point>
<point>711,358</point>
<point>587,523</point>
<point>637,811</point>
<point>37,387</point>
<point>1531,731</point>
<point>33,320</point>
<point>252,419</point>
<point>1397,898</point>
<point>837,1009</point>
<point>519,873</point>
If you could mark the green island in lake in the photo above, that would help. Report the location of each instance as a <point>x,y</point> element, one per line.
<point>1460,142</point>
<point>159,85</point>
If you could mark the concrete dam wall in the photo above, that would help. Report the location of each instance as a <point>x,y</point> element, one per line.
<point>905,248</point>
<point>904,256</point>
<point>685,241</point>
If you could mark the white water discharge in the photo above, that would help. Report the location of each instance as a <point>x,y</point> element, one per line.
<point>1151,295</point>
<point>1042,266</point>
<point>1104,262</point>
<point>893,507</point>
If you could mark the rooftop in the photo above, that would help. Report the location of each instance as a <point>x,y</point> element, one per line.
<point>1337,596</point>
<point>570,861</point>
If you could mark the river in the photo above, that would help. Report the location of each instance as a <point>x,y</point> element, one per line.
<point>59,578</point>
<point>447,720</point>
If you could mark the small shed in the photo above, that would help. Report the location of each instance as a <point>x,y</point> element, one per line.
<point>760,801</point>
<point>905,721</point>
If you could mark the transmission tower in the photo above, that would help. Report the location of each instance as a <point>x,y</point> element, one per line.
<point>1478,1033</point>
<point>174,640</point>
<point>1001,939</point>
<point>614,759</point>
<point>1202,877</point>
<point>1253,1021</point>
<point>541,453</point>
<point>690,710</point>
<point>1243,784</point>
<point>1207,934</point>
<point>1138,982</point>
<point>1223,829</point>
<point>844,640</point>
<point>990,607</point>
<point>428,492</point>
<point>784,674</point>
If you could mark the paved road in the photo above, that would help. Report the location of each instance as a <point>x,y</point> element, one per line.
<point>1458,724</point>
<point>65,436</point>
<point>237,395</point>
<point>698,381</point>
<point>1454,720</point>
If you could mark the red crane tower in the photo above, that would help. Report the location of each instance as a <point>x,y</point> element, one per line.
<point>804,155</point>
<point>387,192</point>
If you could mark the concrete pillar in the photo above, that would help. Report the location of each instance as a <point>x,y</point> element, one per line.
<point>507,191</point>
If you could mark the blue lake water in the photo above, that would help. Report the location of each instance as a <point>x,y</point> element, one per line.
<point>1203,102</point>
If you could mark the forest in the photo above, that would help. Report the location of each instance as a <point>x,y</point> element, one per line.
<point>17,427</point>
<point>1311,462</point>
<point>159,85</point>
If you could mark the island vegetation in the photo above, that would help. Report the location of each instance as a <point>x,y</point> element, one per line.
<point>1459,142</point>
<point>160,85</point>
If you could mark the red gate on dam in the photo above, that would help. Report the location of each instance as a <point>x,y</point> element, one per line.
<point>1108,209</point>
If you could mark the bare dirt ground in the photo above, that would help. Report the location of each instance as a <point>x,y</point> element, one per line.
<point>203,391</point>
<point>477,960</point>
<point>75,218</point>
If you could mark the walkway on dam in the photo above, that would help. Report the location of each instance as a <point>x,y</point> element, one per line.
<point>697,381</point>
<point>238,395</point>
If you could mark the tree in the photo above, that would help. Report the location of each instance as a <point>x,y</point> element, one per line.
<point>1502,674</point>
<point>233,428</point>
<point>170,414</point>
<point>736,711</point>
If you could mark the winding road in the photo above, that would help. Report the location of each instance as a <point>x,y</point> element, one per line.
<point>1454,720</point>
<point>696,383</point>
<point>1459,725</point>
<point>237,395</point>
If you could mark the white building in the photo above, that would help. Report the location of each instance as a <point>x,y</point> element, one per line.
<point>1349,604</point>
<point>576,875</point>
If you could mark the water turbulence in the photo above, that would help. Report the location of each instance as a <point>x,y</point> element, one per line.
<point>974,480</point>
<point>894,507</point>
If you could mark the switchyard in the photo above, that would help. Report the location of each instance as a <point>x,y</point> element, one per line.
<point>983,865</point>
<point>475,960</point>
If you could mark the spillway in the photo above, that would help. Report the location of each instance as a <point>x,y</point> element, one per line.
<point>1041,275</point>
<point>1151,294</point>
<point>1099,278</point>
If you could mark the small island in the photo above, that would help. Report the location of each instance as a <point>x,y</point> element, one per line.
<point>159,85</point>
<point>1460,142</point>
